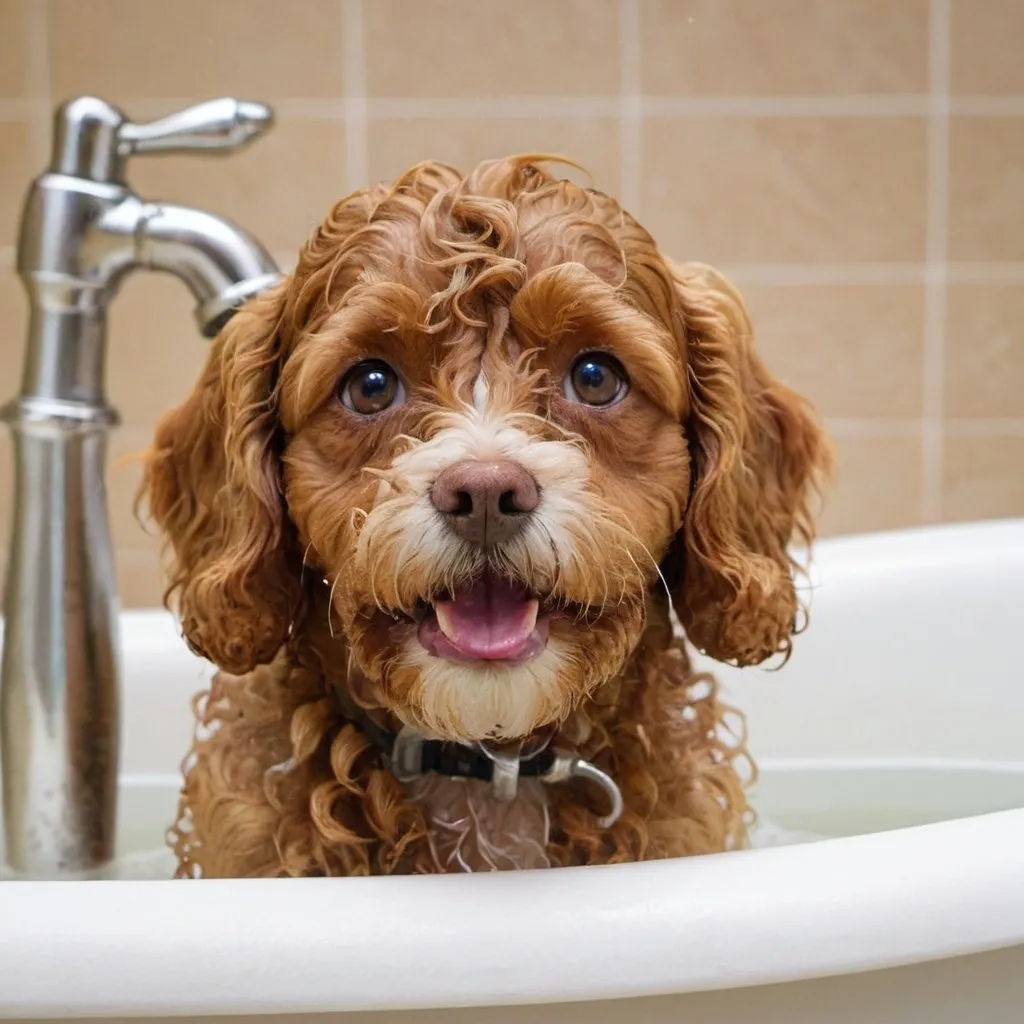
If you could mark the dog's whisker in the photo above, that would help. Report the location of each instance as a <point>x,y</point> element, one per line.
<point>657,569</point>
<point>330,608</point>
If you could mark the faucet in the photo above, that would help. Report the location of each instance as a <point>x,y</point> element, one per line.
<point>82,230</point>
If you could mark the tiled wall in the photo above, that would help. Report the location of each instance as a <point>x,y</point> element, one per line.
<point>857,165</point>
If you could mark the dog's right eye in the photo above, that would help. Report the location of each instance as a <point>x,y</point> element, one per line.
<point>370,387</point>
<point>596,379</point>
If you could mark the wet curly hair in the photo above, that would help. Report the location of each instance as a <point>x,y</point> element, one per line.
<point>305,551</point>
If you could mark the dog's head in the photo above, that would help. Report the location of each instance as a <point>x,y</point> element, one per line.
<point>502,427</point>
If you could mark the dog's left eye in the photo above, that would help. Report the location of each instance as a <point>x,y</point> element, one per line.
<point>370,387</point>
<point>596,379</point>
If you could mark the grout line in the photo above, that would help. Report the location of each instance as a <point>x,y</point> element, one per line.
<point>985,273</point>
<point>438,107</point>
<point>987,106</point>
<point>936,252</point>
<point>782,274</point>
<point>292,109</point>
<point>985,427</point>
<point>356,134</point>
<point>631,109</point>
<point>917,426</point>
<point>298,108</point>
<point>855,427</point>
<point>790,274</point>
<point>433,108</point>
<point>883,105</point>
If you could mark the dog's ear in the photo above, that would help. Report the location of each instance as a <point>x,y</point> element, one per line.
<point>213,483</point>
<point>756,455</point>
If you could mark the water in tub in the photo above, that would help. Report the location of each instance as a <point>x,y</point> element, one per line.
<point>796,802</point>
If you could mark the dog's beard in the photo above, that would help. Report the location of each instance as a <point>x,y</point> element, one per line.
<point>483,700</point>
<point>467,700</point>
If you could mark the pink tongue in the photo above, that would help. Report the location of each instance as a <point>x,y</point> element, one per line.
<point>492,620</point>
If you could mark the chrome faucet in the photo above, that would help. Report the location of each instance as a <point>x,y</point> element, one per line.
<point>82,230</point>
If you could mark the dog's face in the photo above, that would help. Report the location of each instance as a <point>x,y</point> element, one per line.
<point>501,428</point>
<point>489,498</point>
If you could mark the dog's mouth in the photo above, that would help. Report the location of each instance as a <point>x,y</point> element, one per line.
<point>490,619</point>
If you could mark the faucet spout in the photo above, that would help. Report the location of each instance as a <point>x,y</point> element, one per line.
<point>220,263</point>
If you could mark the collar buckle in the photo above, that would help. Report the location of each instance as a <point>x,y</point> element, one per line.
<point>406,755</point>
<point>505,772</point>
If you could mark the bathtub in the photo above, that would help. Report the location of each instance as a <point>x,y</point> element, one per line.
<point>892,755</point>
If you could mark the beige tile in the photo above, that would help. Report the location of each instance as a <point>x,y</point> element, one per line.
<point>195,49</point>
<point>593,142</point>
<point>785,189</point>
<point>985,350</point>
<point>986,46</point>
<point>491,47</point>
<point>986,188</point>
<point>140,579</point>
<point>125,449</point>
<point>984,477</point>
<point>19,76</point>
<point>279,189</point>
<point>156,351</point>
<point>13,325</point>
<point>855,351</point>
<point>738,47</point>
<point>22,157</point>
<point>878,485</point>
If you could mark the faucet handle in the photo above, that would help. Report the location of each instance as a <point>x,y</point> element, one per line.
<point>92,138</point>
<point>226,124</point>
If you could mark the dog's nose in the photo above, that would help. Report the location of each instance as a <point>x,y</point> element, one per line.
<point>485,503</point>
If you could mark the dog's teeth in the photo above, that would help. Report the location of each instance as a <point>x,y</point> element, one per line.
<point>532,609</point>
<point>444,618</point>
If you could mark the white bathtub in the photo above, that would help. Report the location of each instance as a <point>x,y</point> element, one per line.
<point>901,715</point>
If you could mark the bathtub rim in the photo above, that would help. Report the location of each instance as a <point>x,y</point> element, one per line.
<point>758,917</point>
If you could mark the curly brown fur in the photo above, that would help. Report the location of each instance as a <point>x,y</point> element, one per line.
<point>305,545</point>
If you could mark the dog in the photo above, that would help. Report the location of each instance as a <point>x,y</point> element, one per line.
<point>431,510</point>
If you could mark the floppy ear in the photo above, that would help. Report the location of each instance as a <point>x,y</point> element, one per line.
<point>756,452</point>
<point>214,487</point>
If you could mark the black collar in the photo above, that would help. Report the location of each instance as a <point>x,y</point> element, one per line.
<point>410,755</point>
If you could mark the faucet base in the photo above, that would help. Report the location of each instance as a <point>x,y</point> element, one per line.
<point>59,715</point>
